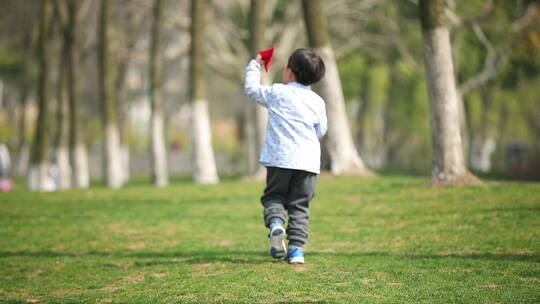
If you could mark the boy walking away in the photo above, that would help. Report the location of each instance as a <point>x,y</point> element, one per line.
<point>291,151</point>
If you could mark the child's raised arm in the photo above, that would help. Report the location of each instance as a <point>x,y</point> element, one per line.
<point>252,84</point>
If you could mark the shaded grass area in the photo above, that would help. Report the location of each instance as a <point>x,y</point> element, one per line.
<point>388,240</point>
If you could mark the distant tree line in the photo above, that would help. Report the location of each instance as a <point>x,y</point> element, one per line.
<point>406,81</point>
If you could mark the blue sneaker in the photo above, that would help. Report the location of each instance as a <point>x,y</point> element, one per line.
<point>295,255</point>
<point>277,240</point>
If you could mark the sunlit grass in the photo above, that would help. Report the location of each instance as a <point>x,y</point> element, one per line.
<point>389,239</point>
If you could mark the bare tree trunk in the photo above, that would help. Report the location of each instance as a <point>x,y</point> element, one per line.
<point>373,122</point>
<point>38,176</point>
<point>61,141</point>
<point>23,149</point>
<point>260,127</point>
<point>112,160</point>
<point>482,144</point>
<point>77,149</point>
<point>121,93</point>
<point>158,150</point>
<point>204,164</point>
<point>255,115</point>
<point>448,158</point>
<point>344,159</point>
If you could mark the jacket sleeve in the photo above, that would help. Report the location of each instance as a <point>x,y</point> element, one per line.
<point>322,126</point>
<point>252,85</point>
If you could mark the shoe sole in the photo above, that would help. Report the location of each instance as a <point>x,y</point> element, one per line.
<point>277,243</point>
<point>296,260</point>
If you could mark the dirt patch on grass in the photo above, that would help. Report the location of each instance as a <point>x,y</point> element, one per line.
<point>224,243</point>
<point>35,273</point>
<point>489,286</point>
<point>367,281</point>
<point>227,296</point>
<point>110,288</point>
<point>136,246</point>
<point>159,274</point>
<point>120,265</point>
<point>114,227</point>
<point>349,229</point>
<point>133,278</point>
<point>58,293</point>
<point>105,300</point>
<point>299,268</point>
<point>202,266</point>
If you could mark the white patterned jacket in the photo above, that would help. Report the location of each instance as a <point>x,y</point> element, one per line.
<point>296,122</point>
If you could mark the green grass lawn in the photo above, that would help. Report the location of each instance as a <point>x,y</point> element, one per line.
<point>390,240</point>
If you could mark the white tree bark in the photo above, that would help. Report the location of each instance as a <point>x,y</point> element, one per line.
<point>40,179</point>
<point>262,120</point>
<point>481,152</point>
<point>158,150</point>
<point>374,147</point>
<point>344,159</point>
<point>22,161</point>
<point>204,164</point>
<point>255,129</point>
<point>260,116</point>
<point>113,160</point>
<point>448,158</point>
<point>124,155</point>
<point>81,173</point>
<point>64,168</point>
<point>250,138</point>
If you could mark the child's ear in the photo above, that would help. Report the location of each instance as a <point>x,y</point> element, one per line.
<point>291,74</point>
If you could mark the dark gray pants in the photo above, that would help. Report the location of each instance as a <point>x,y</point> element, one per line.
<point>291,190</point>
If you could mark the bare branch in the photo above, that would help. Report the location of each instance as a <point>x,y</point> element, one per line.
<point>61,11</point>
<point>396,39</point>
<point>498,56</point>
<point>456,21</point>
<point>482,38</point>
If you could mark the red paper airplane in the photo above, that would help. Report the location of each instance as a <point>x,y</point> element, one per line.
<point>266,56</point>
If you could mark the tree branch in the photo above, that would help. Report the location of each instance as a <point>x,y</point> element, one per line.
<point>498,56</point>
<point>456,21</point>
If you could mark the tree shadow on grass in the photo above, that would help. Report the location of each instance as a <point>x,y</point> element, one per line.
<point>148,258</point>
<point>416,256</point>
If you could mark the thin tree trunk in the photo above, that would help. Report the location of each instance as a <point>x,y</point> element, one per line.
<point>121,91</point>
<point>23,153</point>
<point>482,144</point>
<point>448,158</point>
<point>61,140</point>
<point>255,115</point>
<point>122,110</point>
<point>158,150</point>
<point>38,176</point>
<point>344,158</point>
<point>260,127</point>
<point>112,160</point>
<point>373,117</point>
<point>77,149</point>
<point>204,164</point>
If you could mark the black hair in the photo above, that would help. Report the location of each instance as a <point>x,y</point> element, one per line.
<point>307,66</point>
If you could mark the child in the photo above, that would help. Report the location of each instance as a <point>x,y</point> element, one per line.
<point>291,151</point>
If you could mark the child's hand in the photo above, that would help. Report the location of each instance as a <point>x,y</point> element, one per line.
<point>259,59</point>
